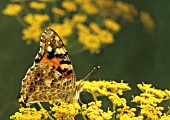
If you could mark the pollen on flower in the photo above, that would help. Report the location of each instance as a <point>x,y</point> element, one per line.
<point>12,9</point>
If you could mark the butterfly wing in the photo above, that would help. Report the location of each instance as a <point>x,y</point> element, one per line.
<point>52,75</point>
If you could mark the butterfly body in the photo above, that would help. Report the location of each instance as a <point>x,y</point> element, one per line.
<point>52,77</point>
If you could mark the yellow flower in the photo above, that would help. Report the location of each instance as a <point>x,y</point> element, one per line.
<point>58,11</point>
<point>126,112</point>
<point>150,111</point>
<point>165,117</point>
<point>111,24</point>
<point>69,6</point>
<point>147,21</point>
<point>32,33</point>
<point>90,41</point>
<point>12,9</point>
<point>30,113</point>
<point>116,100</point>
<point>156,92</point>
<point>93,112</point>
<point>36,19</point>
<point>83,29</point>
<point>66,110</point>
<point>106,37</point>
<point>37,5</point>
<point>105,88</point>
<point>125,10</point>
<point>90,8</point>
<point>95,27</point>
<point>79,18</point>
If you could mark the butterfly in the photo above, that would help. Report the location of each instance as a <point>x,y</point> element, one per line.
<point>52,77</point>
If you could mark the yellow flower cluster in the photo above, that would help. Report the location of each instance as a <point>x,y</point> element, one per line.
<point>12,9</point>
<point>125,10</point>
<point>148,104</point>
<point>149,100</point>
<point>69,6</point>
<point>93,37</point>
<point>90,8</point>
<point>30,114</point>
<point>37,5</point>
<point>93,112</point>
<point>105,88</point>
<point>126,112</point>
<point>34,30</point>
<point>65,111</point>
<point>113,25</point>
<point>36,19</point>
<point>111,89</point>
<point>58,11</point>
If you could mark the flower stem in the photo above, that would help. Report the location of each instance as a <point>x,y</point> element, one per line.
<point>39,104</point>
<point>94,97</point>
<point>114,112</point>
<point>81,112</point>
<point>19,19</point>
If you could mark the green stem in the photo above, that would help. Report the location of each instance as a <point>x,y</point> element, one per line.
<point>25,7</point>
<point>56,18</point>
<point>81,112</point>
<point>94,97</point>
<point>19,19</point>
<point>39,104</point>
<point>114,112</point>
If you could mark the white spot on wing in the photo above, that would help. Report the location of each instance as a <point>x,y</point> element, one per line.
<point>57,38</point>
<point>49,49</point>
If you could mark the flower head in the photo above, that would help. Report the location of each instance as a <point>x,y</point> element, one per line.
<point>65,110</point>
<point>93,112</point>
<point>12,9</point>
<point>30,113</point>
<point>37,5</point>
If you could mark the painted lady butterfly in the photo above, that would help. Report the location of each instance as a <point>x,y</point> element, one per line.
<point>52,76</point>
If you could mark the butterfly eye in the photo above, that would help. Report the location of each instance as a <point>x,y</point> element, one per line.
<point>31,89</point>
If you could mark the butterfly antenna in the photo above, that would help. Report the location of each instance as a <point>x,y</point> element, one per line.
<point>91,72</point>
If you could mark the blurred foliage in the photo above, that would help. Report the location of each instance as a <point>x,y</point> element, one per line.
<point>82,24</point>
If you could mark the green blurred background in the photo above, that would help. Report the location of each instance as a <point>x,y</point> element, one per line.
<point>135,57</point>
